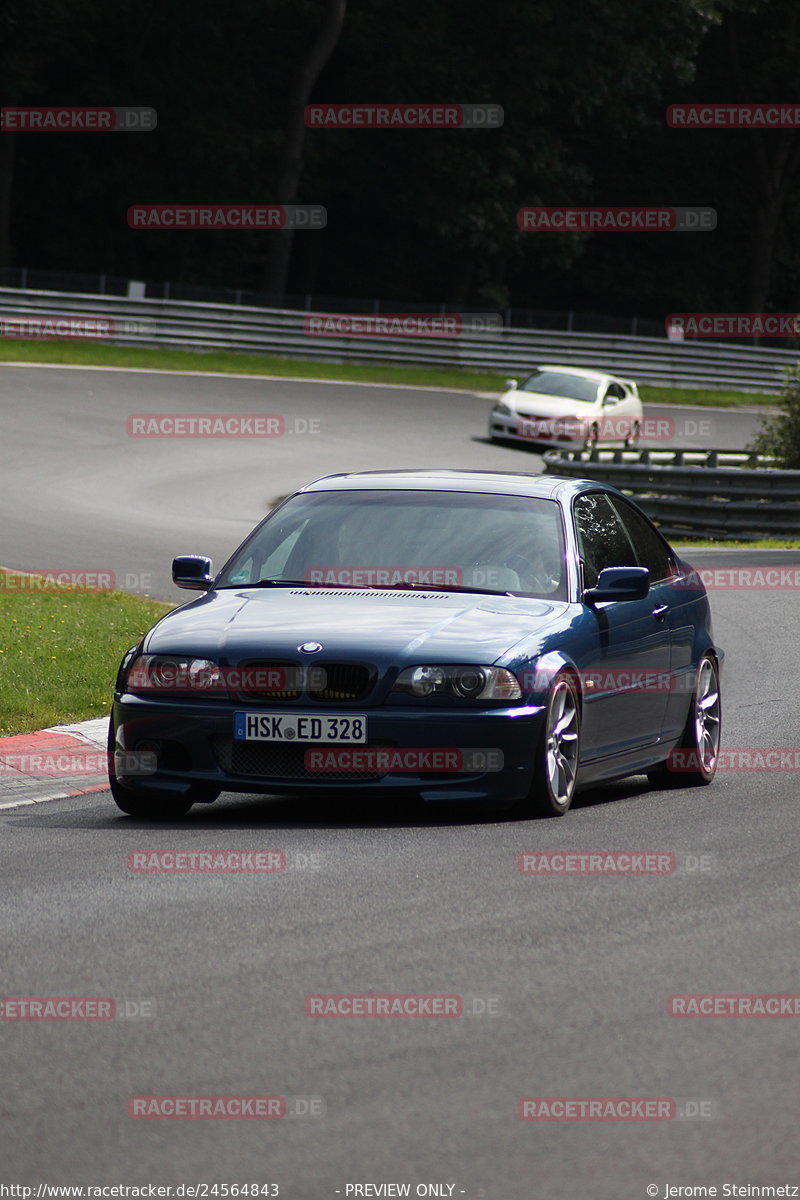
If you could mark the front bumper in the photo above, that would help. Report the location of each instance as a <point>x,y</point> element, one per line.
<point>508,428</point>
<point>195,745</point>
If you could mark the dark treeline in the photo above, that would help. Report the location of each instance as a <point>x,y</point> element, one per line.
<point>413,216</point>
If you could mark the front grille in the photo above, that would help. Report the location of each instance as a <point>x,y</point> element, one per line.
<point>345,681</point>
<point>341,681</point>
<point>288,672</point>
<point>273,760</point>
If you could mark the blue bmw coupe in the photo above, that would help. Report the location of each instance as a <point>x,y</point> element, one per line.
<point>453,635</point>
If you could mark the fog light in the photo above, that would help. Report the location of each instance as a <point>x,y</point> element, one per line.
<point>147,746</point>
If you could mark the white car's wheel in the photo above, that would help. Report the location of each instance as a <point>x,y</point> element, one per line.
<point>632,440</point>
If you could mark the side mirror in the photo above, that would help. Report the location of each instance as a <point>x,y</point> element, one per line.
<point>619,583</point>
<point>511,385</point>
<point>610,400</point>
<point>192,571</point>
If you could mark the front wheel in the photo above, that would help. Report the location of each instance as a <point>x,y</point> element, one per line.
<point>556,765</point>
<point>592,437</point>
<point>694,762</point>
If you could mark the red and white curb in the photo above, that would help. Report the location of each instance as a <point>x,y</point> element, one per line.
<point>53,764</point>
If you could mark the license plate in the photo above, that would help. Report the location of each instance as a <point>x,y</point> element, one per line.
<point>298,727</point>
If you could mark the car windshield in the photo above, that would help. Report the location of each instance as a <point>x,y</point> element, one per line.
<point>558,383</point>
<point>427,540</point>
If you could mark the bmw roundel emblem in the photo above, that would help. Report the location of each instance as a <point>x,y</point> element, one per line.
<point>310,647</point>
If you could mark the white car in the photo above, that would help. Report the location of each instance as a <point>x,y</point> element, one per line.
<point>562,406</point>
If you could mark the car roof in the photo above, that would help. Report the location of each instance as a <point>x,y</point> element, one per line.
<point>508,483</point>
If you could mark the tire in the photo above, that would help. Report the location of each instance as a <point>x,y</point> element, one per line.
<point>694,762</point>
<point>152,805</point>
<point>557,757</point>
<point>632,441</point>
<point>591,439</point>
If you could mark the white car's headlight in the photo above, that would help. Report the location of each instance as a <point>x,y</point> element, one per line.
<point>502,410</point>
<point>468,682</point>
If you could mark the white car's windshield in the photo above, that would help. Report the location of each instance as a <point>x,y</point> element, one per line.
<point>452,541</point>
<point>557,383</point>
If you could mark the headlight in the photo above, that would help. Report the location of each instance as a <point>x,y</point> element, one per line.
<point>502,410</point>
<point>469,682</point>
<point>173,674</point>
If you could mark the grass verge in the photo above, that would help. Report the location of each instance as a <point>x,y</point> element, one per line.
<point>94,354</point>
<point>60,648</point>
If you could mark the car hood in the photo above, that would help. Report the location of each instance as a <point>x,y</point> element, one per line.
<point>536,404</point>
<point>231,625</point>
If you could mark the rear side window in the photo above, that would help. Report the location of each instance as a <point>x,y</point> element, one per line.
<point>651,551</point>
<point>602,539</point>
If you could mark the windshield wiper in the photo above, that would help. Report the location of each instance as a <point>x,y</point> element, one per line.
<point>271,583</point>
<point>436,587</point>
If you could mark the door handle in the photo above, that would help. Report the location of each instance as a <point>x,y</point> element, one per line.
<point>659,611</point>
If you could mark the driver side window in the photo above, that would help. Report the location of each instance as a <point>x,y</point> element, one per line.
<point>602,540</point>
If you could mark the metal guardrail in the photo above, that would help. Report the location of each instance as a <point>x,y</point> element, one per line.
<point>704,492</point>
<point>191,325</point>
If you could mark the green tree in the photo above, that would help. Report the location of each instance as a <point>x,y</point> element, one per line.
<point>779,436</point>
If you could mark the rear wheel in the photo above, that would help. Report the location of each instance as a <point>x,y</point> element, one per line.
<point>592,436</point>
<point>694,762</point>
<point>632,440</point>
<point>556,765</point>
<point>152,805</point>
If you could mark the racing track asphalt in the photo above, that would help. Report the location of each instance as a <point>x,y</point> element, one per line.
<point>385,899</point>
